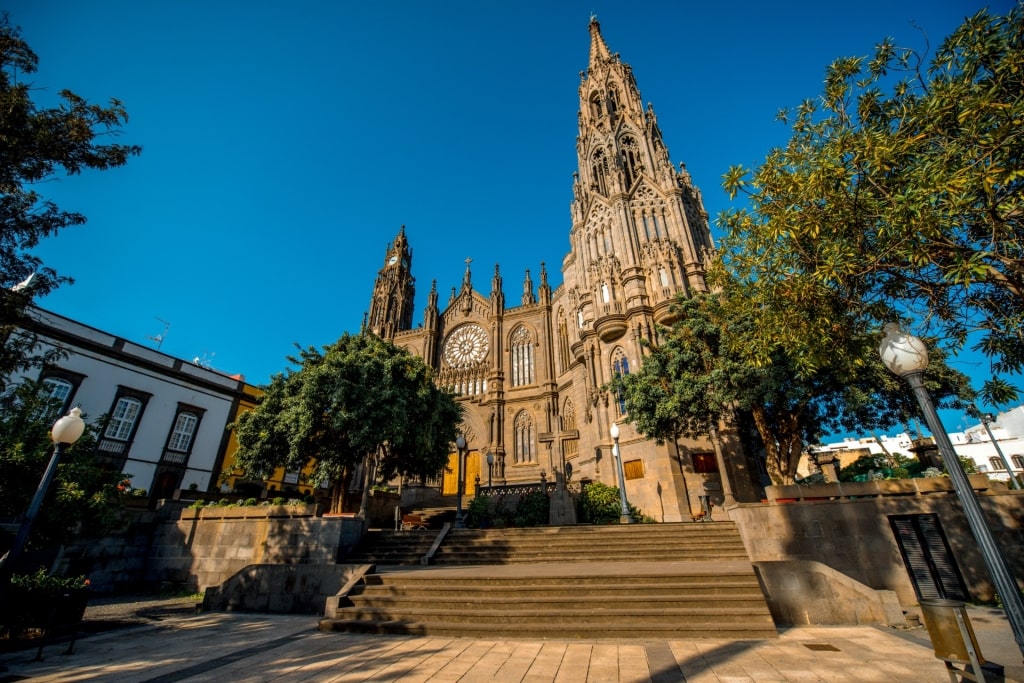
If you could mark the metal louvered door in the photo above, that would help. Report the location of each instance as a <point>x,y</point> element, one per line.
<point>929,560</point>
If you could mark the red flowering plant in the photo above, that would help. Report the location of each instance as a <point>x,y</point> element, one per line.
<point>43,582</point>
<point>40,600</point>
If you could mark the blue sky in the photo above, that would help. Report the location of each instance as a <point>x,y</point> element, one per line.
<point>286,142</point>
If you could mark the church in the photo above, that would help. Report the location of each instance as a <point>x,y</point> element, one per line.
<point>531,374</point>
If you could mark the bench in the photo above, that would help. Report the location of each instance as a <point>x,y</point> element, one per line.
<point>413,523</point>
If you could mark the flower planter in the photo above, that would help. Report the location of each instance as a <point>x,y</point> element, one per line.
<point>50,611</point>
<point>249,511</point>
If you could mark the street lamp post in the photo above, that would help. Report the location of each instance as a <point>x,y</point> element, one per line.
<point>490,467</point>
<point>65,431</point>
<point>907,356</point>
<point>460,521</point>
<point>625,517</point>
<point>987,419</point>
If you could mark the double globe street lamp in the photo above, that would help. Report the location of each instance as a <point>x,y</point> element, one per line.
<point>907,356</point>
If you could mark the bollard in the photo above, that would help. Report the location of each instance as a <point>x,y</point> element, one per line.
<point>953,638</point>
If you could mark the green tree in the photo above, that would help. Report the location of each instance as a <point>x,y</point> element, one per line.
<point>84,498</point>
<point>37,145</point>
<point>359,401</point>
<point>900,191</point>
<point>701,372</point>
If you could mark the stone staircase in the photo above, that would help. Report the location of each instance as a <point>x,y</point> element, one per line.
<point>644,542</point>
<point>642,581</point>
<point>391,547</point>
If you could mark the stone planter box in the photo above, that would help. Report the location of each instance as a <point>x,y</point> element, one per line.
<point>249,512</point>
<point>860,489</point>
<point>897,487</point>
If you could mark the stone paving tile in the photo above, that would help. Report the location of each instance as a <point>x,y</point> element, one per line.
<point>546,665</point>
<point>604,663</point>
<point>575,667</point>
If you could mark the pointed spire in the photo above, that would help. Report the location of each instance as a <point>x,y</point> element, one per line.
<point>432,296</point>
<point>496,281</point>
<point>599,51</point>
<point>467,279</point>
<point>528,297</point>
<point>497,295</point>
<point>544,290</point>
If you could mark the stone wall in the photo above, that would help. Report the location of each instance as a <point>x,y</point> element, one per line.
<point>205,547</point>
<point>283,588</point>
<point>853,536</point>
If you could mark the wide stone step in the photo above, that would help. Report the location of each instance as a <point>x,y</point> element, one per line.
<point>573,577</point>
<point>702,590</point>
<point>648,605</point>
<point>497,557</point>
<point>508,617</point>
<point>544,630</point>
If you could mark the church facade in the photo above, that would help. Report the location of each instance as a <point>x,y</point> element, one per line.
<point>531,375</point>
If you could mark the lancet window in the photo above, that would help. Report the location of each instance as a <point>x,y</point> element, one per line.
<point>522,357</point>
<point>630,160</point>
<point>524,436</point>
<point>620,367</point>
<point>563,343</point>
<point>599,171</point>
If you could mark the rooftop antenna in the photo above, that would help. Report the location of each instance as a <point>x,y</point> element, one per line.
<point>204,361</point>
<point>159,339</point>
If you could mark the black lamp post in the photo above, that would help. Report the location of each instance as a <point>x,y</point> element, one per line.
<point>625,517</point>
<point>460,445</point>
<point>66,431</point>
<point>907,356</point>
<point>987,419</point>
<point>490,467</point>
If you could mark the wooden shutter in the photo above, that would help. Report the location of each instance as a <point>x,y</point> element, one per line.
<point>928,557</point>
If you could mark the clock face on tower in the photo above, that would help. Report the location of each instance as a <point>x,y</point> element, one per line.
<point>392,260</point>
<point>466,346</point>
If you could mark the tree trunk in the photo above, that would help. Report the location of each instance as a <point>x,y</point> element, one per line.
<point>783,445</point>
<point>368,466</point>
<point>338,491</point>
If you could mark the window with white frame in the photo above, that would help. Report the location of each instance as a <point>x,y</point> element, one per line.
<point>122,418</point>
<point>182,433</point>
<point>55,392</point>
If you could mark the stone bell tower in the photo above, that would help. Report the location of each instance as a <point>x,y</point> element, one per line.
<point>394,291</point>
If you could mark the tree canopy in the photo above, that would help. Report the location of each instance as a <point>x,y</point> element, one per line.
<point>700,373</point>
<point>357,400</point>
<point>900,193</point>
<point>37,145</point>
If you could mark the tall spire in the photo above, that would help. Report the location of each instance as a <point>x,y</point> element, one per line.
<point>394,291</point>
<point>599,51</point>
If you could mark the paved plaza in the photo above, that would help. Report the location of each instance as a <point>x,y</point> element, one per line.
<point>174,644</point>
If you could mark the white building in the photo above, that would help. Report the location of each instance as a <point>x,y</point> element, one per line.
<point>160,419</point>
<point>973,443</point>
